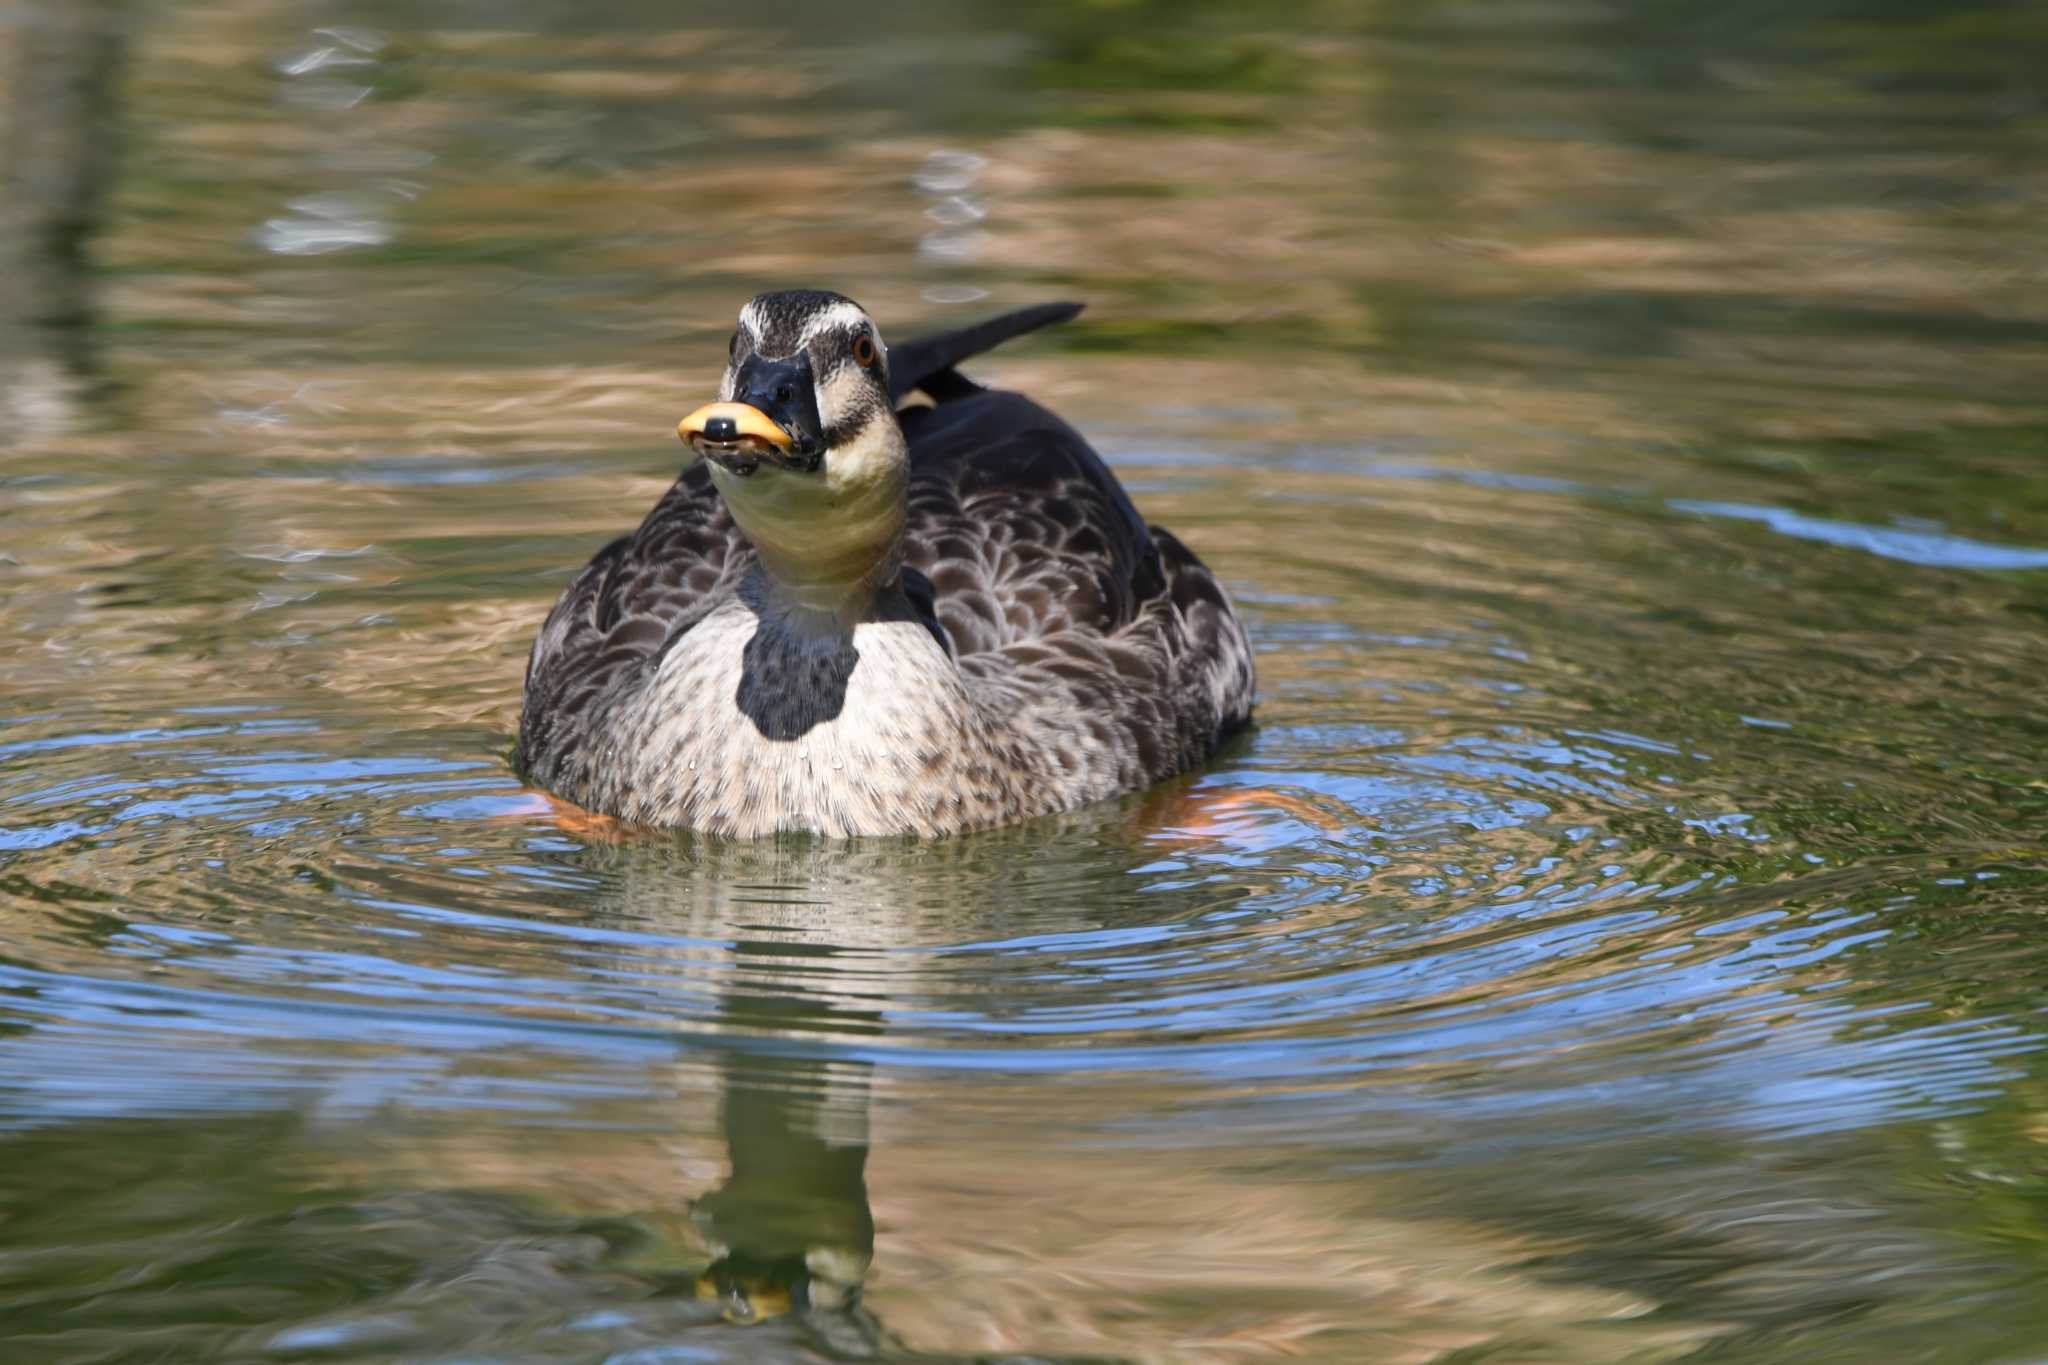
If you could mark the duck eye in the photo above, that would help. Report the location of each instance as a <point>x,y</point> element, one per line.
<point>864,349</point>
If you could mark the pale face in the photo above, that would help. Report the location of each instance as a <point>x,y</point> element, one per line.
<point>816,342</point>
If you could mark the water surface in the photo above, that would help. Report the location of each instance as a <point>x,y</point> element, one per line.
<point>1619,939</point>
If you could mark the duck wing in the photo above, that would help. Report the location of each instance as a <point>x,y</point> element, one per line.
<point>1106,635</point>
<point>1019,526</point>
<point>1016,522</point>
<point>1055,593</point>
<point>635,595</point>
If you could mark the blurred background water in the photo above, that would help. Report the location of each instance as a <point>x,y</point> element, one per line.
<point>1620,939</point>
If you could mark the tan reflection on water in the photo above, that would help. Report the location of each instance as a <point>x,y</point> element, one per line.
<point>1292,250</point>
<point>987,1248</point>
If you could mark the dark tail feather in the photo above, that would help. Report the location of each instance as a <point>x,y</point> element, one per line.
<point>927,362</point>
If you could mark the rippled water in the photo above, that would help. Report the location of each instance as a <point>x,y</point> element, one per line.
<point>1620,937</point>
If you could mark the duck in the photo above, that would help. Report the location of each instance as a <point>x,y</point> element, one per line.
<point>883,599</point>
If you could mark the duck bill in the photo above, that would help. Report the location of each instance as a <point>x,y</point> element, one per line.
<point>737,437</point>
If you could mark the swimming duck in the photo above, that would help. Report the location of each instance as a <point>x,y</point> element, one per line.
<point>851,617</point>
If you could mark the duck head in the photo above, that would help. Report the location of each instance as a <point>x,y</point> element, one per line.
<point>804,446</point>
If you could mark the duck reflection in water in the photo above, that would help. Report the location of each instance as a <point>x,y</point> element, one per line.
<point>809,967</point>
<point>790,1226</point>
<point>59,98</point>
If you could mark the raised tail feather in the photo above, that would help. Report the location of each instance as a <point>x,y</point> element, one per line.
<point>927,362</point>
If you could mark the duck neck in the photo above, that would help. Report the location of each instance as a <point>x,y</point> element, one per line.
<point>828,542</point>
<point>837,569</point>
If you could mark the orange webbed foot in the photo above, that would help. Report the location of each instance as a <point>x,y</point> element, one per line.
<point>1193,815</point>
<point>570,819</point>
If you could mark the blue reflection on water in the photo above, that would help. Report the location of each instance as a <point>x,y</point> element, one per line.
<point>1934,549</point>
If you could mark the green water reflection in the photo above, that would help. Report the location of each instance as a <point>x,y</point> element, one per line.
<point>1621,425</point>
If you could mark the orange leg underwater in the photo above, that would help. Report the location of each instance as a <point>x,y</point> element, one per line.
<point>570,819</point>
<point>1186,814</point>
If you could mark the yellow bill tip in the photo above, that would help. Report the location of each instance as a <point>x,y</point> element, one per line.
<point>731,423</point>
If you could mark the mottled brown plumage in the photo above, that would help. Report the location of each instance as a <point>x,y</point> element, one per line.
<point>1031,645</point>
